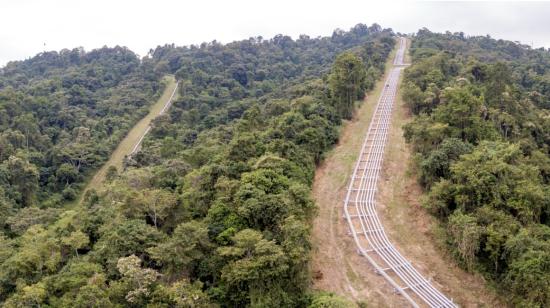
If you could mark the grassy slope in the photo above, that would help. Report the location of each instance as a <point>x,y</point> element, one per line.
<point>336,265</point>
<point>127,144</point>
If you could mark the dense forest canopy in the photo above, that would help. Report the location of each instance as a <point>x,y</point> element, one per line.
<point>60,116</point>
<point>214,210</point>
<point>481,134</point>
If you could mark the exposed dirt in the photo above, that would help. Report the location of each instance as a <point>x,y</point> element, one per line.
<point>336,265</point>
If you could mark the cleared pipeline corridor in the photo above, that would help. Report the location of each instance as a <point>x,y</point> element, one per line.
<point>360,209</point>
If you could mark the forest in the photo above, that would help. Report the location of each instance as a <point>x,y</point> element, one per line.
<point>480,135</point>
<point>215,210</point>
<point>60,116</point>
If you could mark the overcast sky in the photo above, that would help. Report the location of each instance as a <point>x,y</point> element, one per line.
<point>25,25</point>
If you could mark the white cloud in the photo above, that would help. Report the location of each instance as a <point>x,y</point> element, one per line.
<point>27,24</point>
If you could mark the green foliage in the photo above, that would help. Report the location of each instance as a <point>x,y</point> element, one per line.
<point>462,113</point>
<point>465,235</point>
<point>23,179</point>
<point>437,164</point>
<point>188,244</point>
<point>330,301</point>
<point>137,280</point>
<point>347,83</point>
<point>93,294</point>
<point>64,112</point>
<point>76,240</point>
<point>255,270</point>
<point>28,296</point>
<point>215,208</point>
<point>125,238</point>
<point>480,140</point>
<point>186,294</point>
<point>19,222</point>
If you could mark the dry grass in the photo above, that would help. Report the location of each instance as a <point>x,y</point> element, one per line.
<point>127,144</point>
<point>408,58</point>
<point>336,265</point>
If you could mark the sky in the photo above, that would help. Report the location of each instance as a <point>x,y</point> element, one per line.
<point>28,27</point>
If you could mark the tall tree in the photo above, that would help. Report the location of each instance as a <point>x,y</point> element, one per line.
<point>347,82</point>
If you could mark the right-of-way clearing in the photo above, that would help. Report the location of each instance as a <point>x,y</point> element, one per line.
<point>337,266</point>
<point>135,135</point>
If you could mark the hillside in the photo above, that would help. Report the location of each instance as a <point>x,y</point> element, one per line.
<point>480,137</point>
<point>337,267</point>
<point>233,197</point>
<point>214,210</point>
<point>132,141</point>
<point>60,116</point>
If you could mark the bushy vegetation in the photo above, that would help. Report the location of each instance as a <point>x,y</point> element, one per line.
<point>481,134</point>
<point>215,210</point>
<point>60,116</point>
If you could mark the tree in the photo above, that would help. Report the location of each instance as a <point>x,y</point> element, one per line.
<point>346,82</point>
<point>77,240</point>
<point>24,177</point>
<point>498,79</point>
<point>93,294</point>
<point>188,244</point>
<point>65,286</point>
<point>79,154</point>
<point>529,275</point>
<point>466,235</point>
<point>123,239</point>
<point>425,134</point>
<point>256,270</point>
<point>66,174</point>
<point>157,204</point>
<point>437,164</point>
<point>29,296</point>
<point>463,112</point>
<point>260,198</point>
<point>495,174</point>
<point>111,173</point>
<point>415,98</point>
<point>38,254</point>
<point>189,295</point>
<point>139,280</point>
<point>30,216</point>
